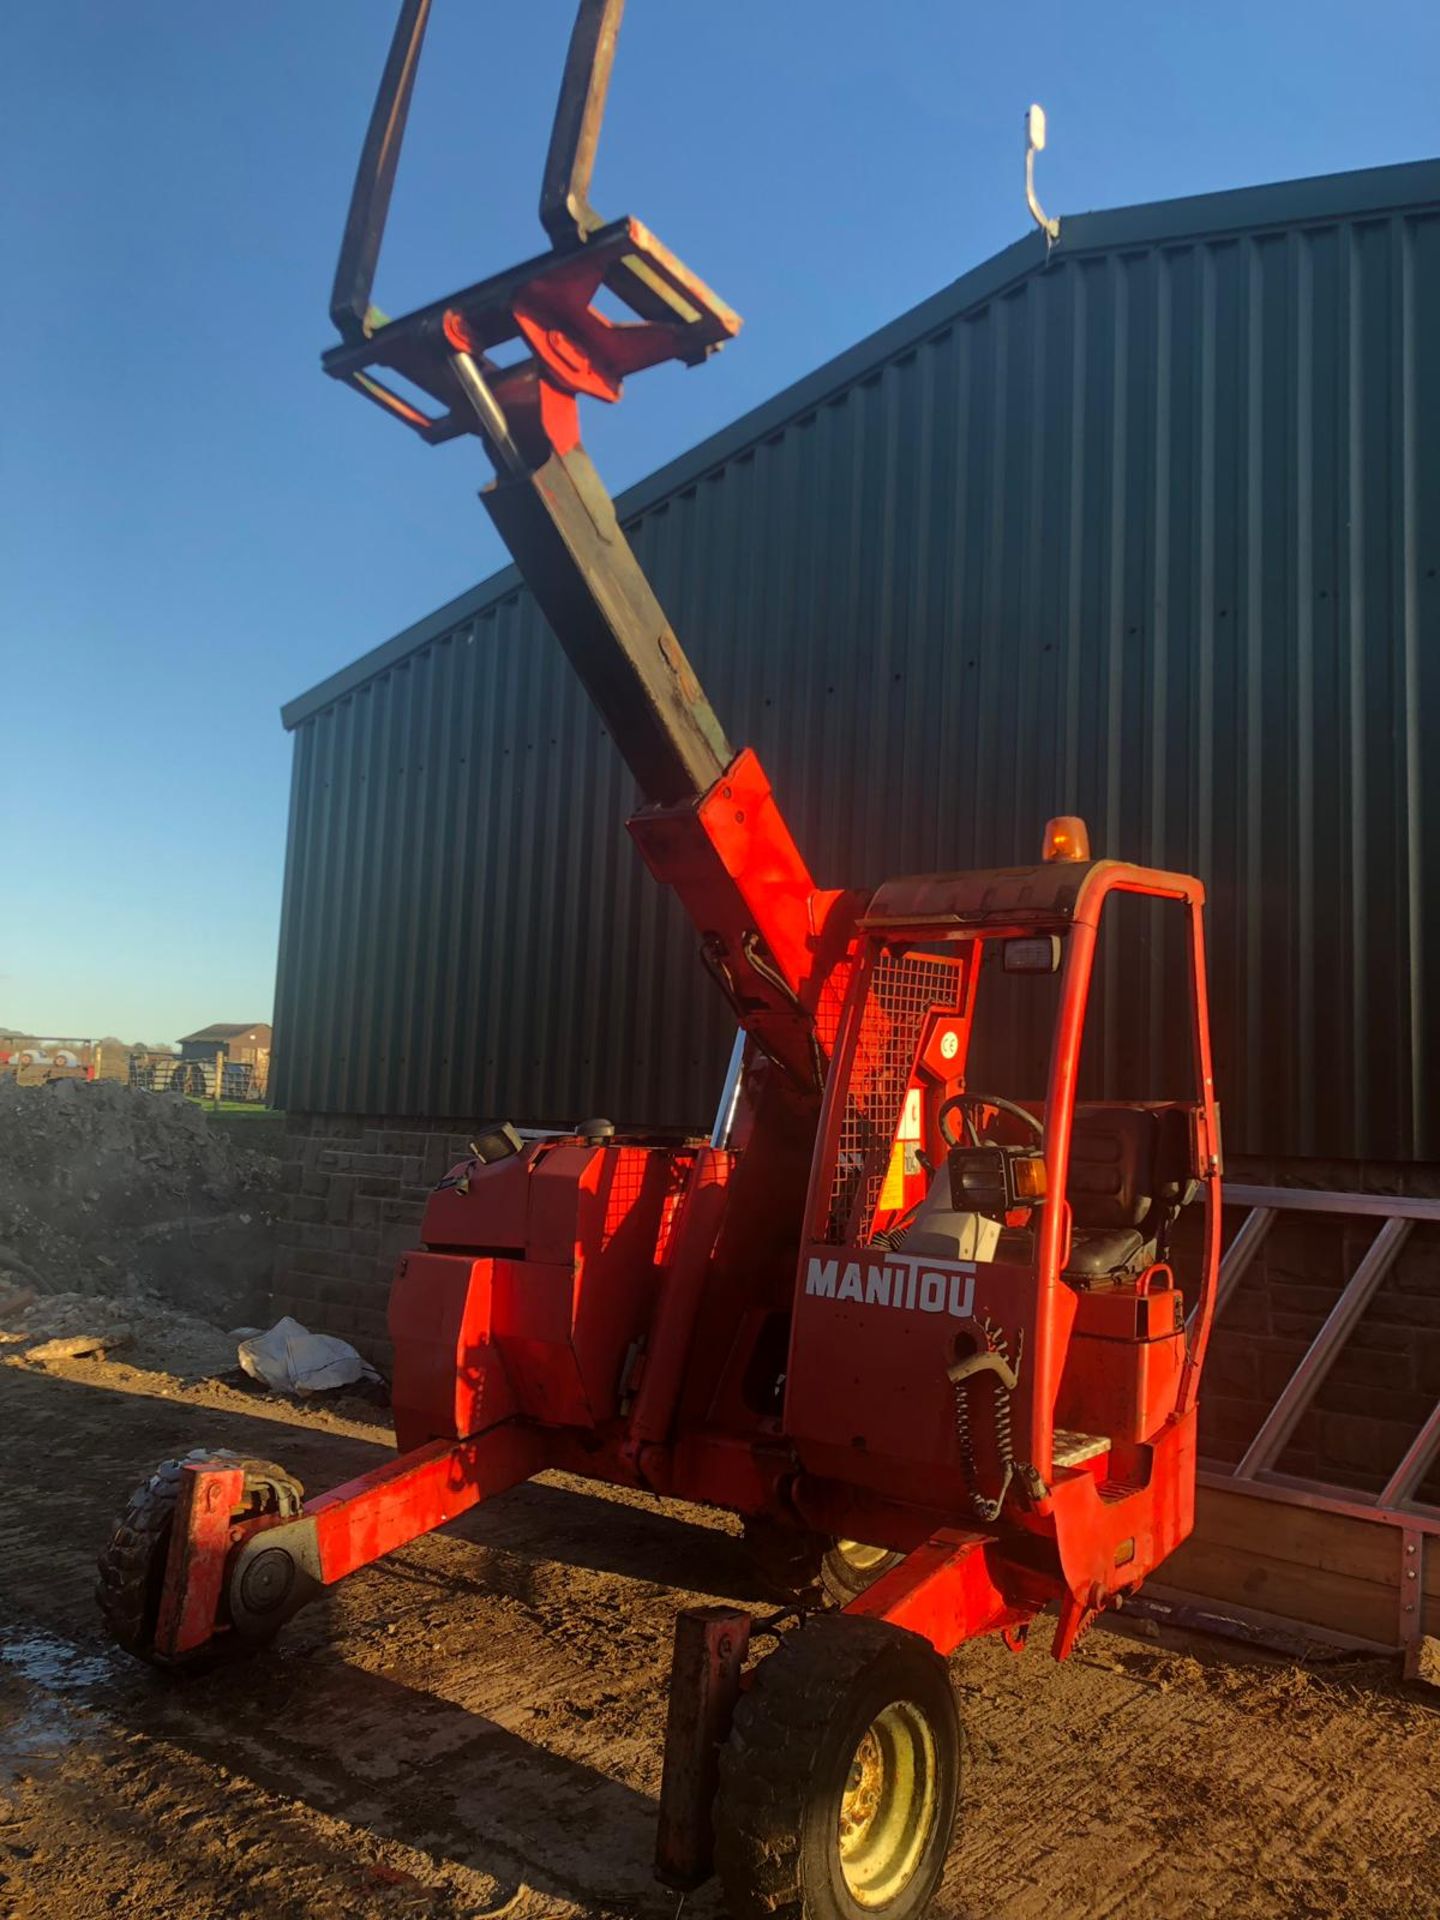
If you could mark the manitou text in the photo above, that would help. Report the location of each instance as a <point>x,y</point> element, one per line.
<point>898,1280</point>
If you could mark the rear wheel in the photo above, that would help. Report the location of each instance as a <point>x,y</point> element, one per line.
<point>849,1567</point>
<point>131,1565</point>
<point>795,1564</point>
<point>839,1781</point>
<point>786,1560</point>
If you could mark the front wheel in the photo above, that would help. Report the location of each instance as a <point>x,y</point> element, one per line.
<point>131,1564</point>
<point>840,1778</point>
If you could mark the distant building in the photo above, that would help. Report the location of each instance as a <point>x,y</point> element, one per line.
<point>244,1049</point>
<point>1141,526</point>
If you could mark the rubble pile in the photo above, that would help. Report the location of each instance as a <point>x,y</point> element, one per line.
<point>118,1206</point>
<point>137,1328</point>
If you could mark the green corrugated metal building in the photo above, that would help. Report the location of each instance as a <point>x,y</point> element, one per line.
<point>1145,528</point>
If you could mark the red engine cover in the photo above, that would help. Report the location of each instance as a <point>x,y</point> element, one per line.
<point>538,1277</point>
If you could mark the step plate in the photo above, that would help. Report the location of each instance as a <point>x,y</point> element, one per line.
<point>1074,1449</point>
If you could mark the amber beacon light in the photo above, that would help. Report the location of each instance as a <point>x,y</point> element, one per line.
<point>1067,838</point>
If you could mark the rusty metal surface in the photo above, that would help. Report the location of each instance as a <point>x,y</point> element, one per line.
<point>710,1649</point>
<point>565,210</point>
<point>1147,531</point>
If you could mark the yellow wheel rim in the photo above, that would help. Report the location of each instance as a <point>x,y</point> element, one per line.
<point>862,1558</point>
<point>888,1811</point>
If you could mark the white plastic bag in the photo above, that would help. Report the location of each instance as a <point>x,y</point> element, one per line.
<point>290,1360</point>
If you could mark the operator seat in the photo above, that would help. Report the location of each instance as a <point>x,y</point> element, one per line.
<point>1129,1177</point>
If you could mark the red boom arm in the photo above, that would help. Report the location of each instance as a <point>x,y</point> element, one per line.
<point>709,826</point>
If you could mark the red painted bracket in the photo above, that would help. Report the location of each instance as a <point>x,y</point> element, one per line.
<point>342,1530</point>
<point>948,1592</point>
<point>195,1565</point>
<point>370,1516</point>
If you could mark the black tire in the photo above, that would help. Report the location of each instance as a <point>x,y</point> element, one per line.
<point>787,1560</point>
<point>833,1723</point>
<point>794,1564</point>
<point>131,1564</point>
<point>849,1567</point>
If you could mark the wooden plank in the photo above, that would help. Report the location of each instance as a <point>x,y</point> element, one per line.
<point>1304,1536</point>
<point>1313,1596</point>
<point>1277,1631</point>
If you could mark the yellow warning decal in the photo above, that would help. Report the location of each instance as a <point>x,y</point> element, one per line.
<point>892,1194</point>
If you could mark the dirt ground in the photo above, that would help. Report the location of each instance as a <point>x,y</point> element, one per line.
<point>473,1726</point>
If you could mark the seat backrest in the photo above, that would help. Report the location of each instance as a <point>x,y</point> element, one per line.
<point>1112,1166</point>
<point>1175,1182</point>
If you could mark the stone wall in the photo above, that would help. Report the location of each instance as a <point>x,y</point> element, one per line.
<point>355,1188</point>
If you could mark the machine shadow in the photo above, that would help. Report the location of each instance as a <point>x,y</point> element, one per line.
<point>307,1719</point>
<point>554,1519</point>
<point>424,1771</point>
<point>600,1533</point>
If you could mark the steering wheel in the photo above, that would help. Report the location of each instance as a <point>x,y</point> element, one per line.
<point>963,1102</point>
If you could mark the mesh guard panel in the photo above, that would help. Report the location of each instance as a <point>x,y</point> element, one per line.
<point>831,1003</point>
<point>626,1170</point>
<point>679,1173</point>
<point>904,990</point>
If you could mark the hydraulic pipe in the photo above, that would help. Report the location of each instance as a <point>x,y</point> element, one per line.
<point>670,1338</point>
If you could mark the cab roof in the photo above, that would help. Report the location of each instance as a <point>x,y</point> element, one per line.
<point>989,896</point>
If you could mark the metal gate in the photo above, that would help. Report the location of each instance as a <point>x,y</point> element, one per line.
<point>1395,1564</point>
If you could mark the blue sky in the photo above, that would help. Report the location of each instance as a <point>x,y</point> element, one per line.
<point>195,525</point>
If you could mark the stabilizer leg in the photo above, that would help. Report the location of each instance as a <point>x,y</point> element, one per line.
<point>259,1573</point>
<point>710,1648</point>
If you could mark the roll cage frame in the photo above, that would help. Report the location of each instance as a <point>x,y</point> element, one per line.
<point>1079,925</point>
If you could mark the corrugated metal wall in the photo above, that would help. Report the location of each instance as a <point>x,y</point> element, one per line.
<point>1149,532</point>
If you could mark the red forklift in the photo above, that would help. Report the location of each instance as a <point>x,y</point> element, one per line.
<point>916,1311</point>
